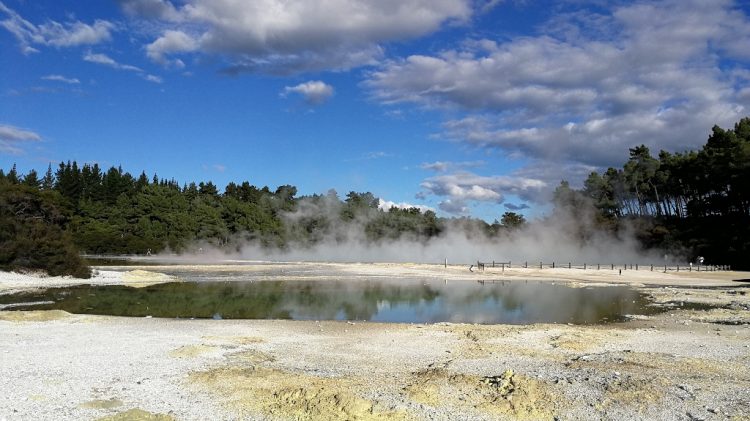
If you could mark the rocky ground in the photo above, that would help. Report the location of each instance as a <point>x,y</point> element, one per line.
<point>685,364</point>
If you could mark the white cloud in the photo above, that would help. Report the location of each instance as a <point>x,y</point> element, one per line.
<point>461,187</point>
<point>376,155</point>
<point>152,78</point>
<point>63,79</point>
<point>171,42</point>
<point>454,206</point>
<point>55,34</point>
<point>593,85</point>
<point>151,9</point>
<point>108,61</point>
<point>443,166</point>
<point>11,136</point>
<point>292,36</point>
<point>105,60</point>
<point>387,204</point>
<point>438,166</point>
<point>314,92</point>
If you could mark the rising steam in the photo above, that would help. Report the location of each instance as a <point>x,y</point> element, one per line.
<point>562,237</point>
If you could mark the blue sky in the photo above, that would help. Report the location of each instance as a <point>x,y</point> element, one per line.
<point>466,107</point>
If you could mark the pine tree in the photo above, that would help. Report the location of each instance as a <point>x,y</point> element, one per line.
<point>48,182</point>
<point>12,175</point>
<point>31,179</point>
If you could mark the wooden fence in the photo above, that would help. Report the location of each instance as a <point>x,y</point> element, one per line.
<point>599,266</point>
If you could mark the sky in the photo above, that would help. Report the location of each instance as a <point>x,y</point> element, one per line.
<point>466,107</point>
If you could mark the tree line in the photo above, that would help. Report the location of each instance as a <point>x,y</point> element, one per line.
<point>690,203</point>
<point>114,212</point>
<point>698,201</point>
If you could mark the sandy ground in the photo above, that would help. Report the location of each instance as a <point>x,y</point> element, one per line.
<point>679,365</point>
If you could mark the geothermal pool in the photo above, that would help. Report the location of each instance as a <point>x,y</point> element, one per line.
<point>376,300</point>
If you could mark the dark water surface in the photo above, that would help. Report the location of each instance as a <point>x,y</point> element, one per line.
<point>402,301</point>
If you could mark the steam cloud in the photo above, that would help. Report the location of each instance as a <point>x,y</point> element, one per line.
<point>563,237</point>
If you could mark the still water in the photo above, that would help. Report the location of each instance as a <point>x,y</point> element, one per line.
<point>402,301</point>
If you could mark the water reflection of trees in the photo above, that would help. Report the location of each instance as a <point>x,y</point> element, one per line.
<point>422,301</point>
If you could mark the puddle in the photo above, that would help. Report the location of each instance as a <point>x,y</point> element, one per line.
<point>402,301</point>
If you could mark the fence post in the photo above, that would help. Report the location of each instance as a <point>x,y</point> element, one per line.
<point>540,265</point>
<point>568,265</point>
<point>508,264</point>
<point>678,268</point>
<point>598,266</point>
<point>584,266</point>
<point>636,266</point>
<point>613,266</point>
<point>525,265</point>
<point>553,265</point>
<point>652,267</point>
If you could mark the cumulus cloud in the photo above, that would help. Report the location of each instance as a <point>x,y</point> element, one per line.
<point>589,87</point>
<point>171,42</point>
<point>54,34</point>
<point>461,187</point>
<point>63,79</point>
<point>387,204</point>
<point>314,92</point>
<point>454,206</point>
<point>291,36</point>
<point>11,137</point>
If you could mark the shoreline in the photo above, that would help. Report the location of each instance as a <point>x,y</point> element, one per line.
<point>144,275</point>
<point>680,364</point>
